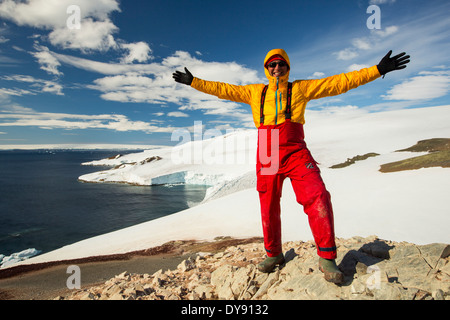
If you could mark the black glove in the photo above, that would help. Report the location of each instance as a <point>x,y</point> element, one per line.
<point>185,78</point>
<point>388,64</point>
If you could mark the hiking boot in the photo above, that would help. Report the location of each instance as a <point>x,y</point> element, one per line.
<point>331,271</point>
<point>269,264</point>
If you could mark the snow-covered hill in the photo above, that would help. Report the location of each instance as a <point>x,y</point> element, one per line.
<point>401,206</point>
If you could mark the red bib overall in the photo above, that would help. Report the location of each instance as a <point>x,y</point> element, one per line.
<point>282,153</point>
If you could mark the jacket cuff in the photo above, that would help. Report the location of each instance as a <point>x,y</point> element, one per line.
<point>195,83</point>
<point>374,72</point>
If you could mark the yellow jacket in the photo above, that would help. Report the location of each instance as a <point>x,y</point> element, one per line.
<point>302,91</point>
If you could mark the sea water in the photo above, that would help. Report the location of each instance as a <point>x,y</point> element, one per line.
<point>43,206</point>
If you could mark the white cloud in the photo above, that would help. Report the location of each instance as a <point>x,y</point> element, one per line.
<point>133,87</point>
<point>8,108</point>
<point>385,32</point>
<point>361,43</point>
<point>51,14</point>
<point>355,67</point>
<point>93,35</point>
<point>95,32</point>
<point>317,75</point>
<point>15,92</point>
<point>346,54</point>
<point>178,114</point>
<point>230,72</point>
<point>66,121</point>
<point>129,81</point>
<point>108,68</point>
<point>139,51</point>
<point>96,28</point>
<point>35,86</point>
<point>230,110</point>
<point>153,82</point>
<point>428,85</point>
<point>337,111</point>
<point>381,1</point>
<point>47,61</point>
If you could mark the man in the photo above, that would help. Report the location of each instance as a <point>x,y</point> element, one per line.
<point>278,112</point>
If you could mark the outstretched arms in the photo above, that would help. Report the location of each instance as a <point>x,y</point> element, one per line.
<point>388,64</point>
<point>185,78</point>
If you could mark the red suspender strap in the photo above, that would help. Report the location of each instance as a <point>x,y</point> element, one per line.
<point>288,106</point>
<point>263,98</point>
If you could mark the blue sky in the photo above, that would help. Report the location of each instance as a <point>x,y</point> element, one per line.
<point>110,80</point>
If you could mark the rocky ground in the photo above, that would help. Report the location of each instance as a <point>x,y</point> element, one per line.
<point>374,269</point>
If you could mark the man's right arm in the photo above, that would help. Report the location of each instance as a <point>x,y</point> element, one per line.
<point>222,90</point>
<point>219,89</point>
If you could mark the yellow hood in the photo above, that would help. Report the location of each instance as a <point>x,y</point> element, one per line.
<point>281,52</point>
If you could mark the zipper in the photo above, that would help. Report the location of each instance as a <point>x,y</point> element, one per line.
<point>276,102</point>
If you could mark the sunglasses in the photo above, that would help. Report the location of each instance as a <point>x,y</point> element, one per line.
<point>275,63</point>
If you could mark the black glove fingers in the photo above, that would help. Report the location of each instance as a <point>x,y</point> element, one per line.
<point>401,62</point>
<point>397,62</point>
<point>388,55</point>
<point>178,76</point>
<point>405,58</point>
<point>399,55</point>
<point>185,78</point>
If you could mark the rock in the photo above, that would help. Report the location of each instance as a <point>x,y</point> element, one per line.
<point>271,279</point>
<point>242,278</point>
<point>438,295</point>
<point>432,253</point>
<point>147,160</point>
<point>204,291</point>
<point>186,265</point>
<point>87,296</point>
<point>112,290</point>
<point>116,296</point>
<point>130,293</point>
<point>221,279</point>
<point>123,276</point>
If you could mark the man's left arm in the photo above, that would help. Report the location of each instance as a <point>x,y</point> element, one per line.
<point>341,83</point>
